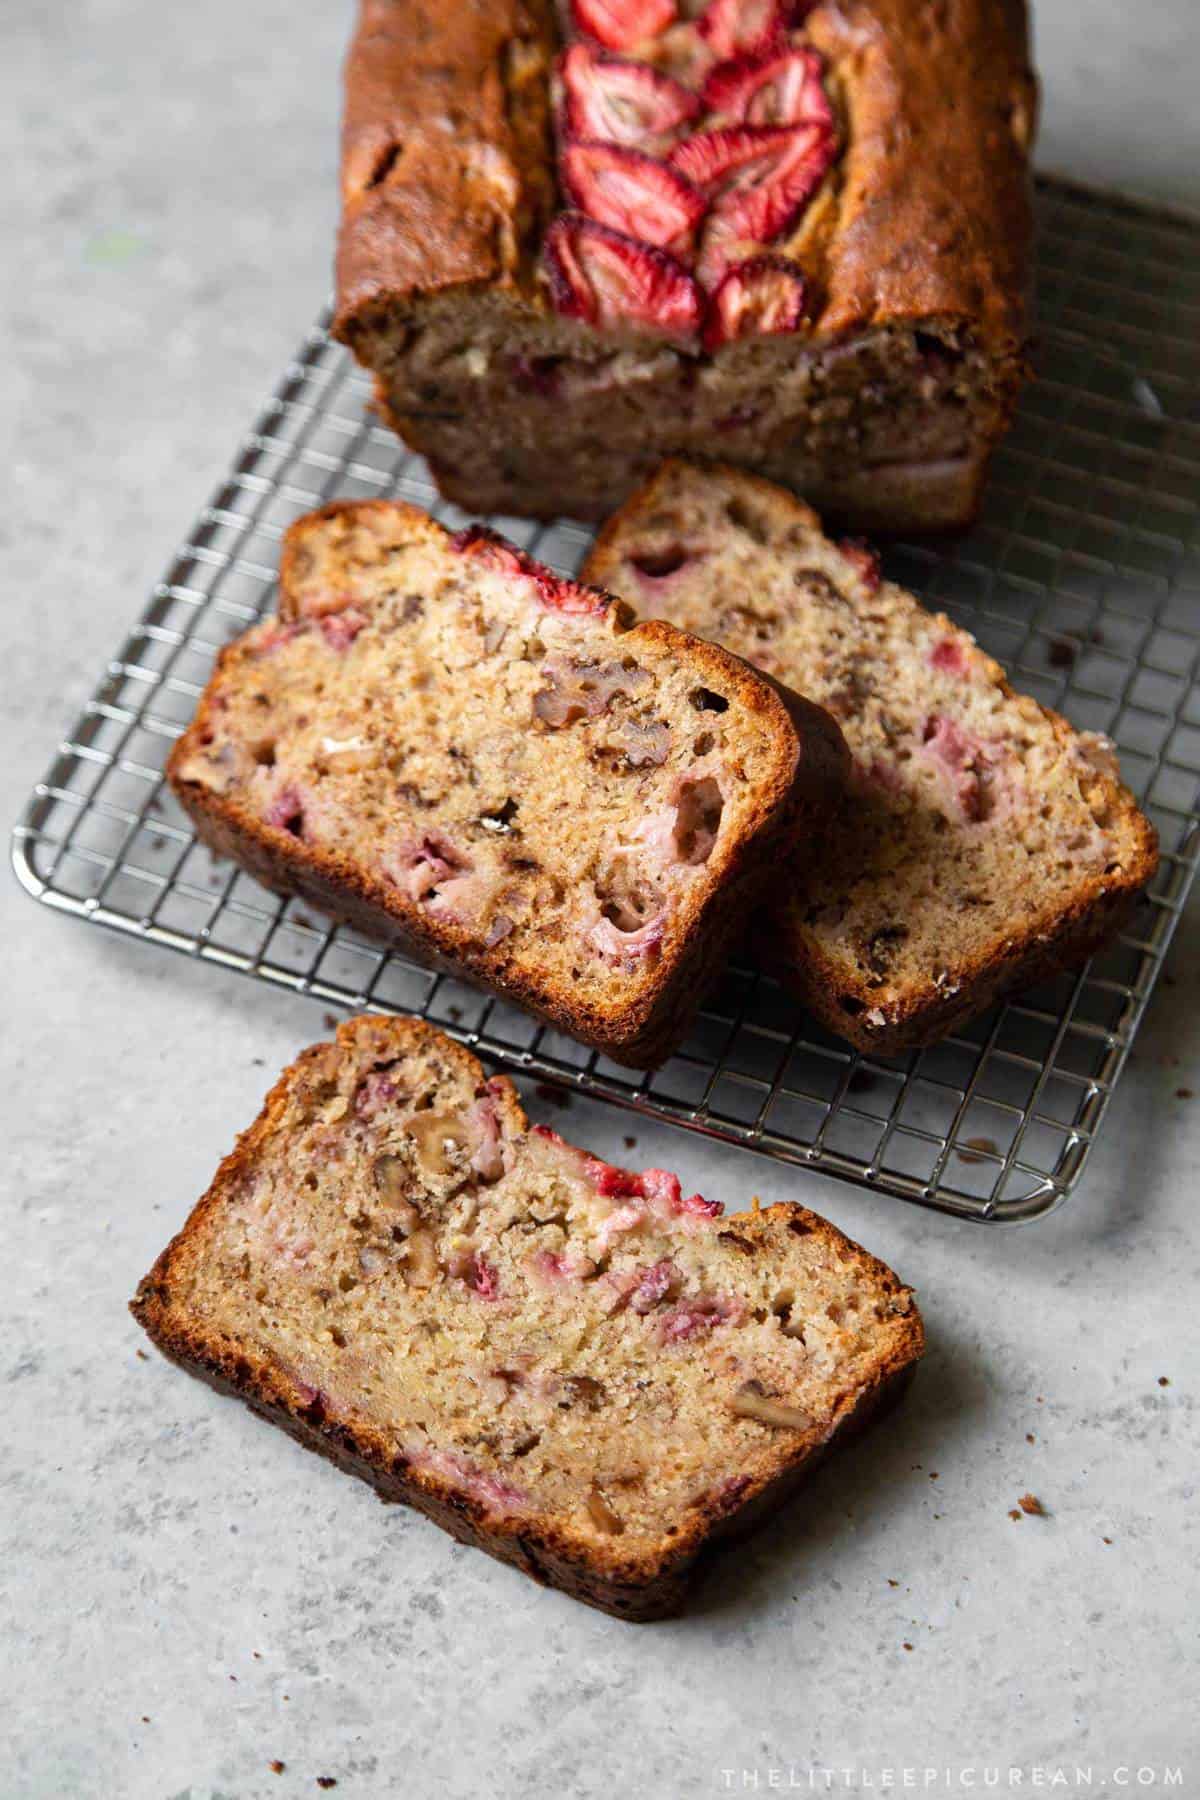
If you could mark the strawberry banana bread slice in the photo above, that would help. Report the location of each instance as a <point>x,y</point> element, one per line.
<point>460,752</point>
<point>576,1368</point>
<point>981,843</point>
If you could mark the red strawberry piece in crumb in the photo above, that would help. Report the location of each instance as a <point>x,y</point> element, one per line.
<point>627,946</point>
<point>422,864</point>
<point>554,591</point>
<point>481,1277</point>
<point>653,1285</point>
<point>949,655</point>
<point>698,1207</point>
<point>607,279</point>
<point>865,562</point>
<point>964,758</point>
<point>743,27</point>
<point>762,297</point>
<point>780,87</point>
<point>340,629</point>
<point>633,193</point>
<point>694,1316</point>
<point>375,1092</point>
<point>730,1493</point>
<point>286,811</point>
<point>619,24</point>
<point>611,100</point>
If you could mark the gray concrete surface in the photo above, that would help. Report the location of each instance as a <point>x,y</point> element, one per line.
<point>188,1597</point>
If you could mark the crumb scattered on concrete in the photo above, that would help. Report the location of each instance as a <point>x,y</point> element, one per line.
<point>908,1646</point>
<point>630,1143</point>
<point>142,1357</point>
<point>276,1767</point>
<point>1106,1540</point>
<point>329,1021</point>
<point>892,1583</point>
<point>1029,1438</point>
<point>1029,1503</point>
<point>977,1149</point>
<point>1014,1512</point>
<point>326,1781</point>
<point>1164,1381</point>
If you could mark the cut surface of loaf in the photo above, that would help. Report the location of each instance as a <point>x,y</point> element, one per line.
<point>455,749</point>
<point>575,240</point>
<point>981,842</point>
<point>575,1367</point>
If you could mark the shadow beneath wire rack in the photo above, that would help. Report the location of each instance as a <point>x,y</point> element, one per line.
<point>849,1499</point>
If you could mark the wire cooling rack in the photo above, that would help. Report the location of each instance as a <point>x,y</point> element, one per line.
<point>1083,577</point>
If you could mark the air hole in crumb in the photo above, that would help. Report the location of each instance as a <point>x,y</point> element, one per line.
<point>748,519</point>
<point>338,1337</point>
<point>704,700</point>
<point>704,743</point>
<point>264,753</point>
<point>657,563</point>
<point>310,1182</point>
<point>850,1004</point>
<point>384,165</point>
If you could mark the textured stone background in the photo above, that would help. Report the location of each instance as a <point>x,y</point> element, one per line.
<point>187,1595</point>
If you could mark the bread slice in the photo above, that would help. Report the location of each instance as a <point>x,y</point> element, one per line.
<point>981,843</point>
<point>464,754</point>
<point>573,1367</point>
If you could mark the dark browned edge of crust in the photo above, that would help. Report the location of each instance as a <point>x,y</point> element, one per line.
<point>1038,951</point>
<point>810,770</point>
<point>635,1588</point>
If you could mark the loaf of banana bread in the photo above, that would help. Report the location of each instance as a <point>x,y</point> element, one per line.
<point>451,747</point>
<point>981,842</point>
<point>790,235</point>
<point>577,1368</point>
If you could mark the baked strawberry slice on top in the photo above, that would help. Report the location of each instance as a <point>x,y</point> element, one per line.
<point>781,87</point>
<point>620,24</point>
<point>633,193</point>
<point>613,100</point>
<point>605,278</point>
<point>761,297</point>
<point>746,27</point>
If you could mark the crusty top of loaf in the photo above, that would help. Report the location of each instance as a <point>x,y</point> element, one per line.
<point>448,161</point>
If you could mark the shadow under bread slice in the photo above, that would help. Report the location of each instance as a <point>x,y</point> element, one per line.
<point>573,1366</point>
<point>458,751</point>
<point>981,843</point>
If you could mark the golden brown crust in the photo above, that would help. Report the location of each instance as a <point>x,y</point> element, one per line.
<point>933,218</point>
<point>447,159</point>
<point>930,219</point>
<point>641,1586</point>
<point>1037,948</point>
<point>808,771</point>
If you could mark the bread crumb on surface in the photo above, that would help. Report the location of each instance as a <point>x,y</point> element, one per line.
<point>1164,1381</point>
<point>1029,1503</point>
<point>907,1646</point>
<point>276,1767</point>
<point>326,1781</point>
<point>1029,1438</point>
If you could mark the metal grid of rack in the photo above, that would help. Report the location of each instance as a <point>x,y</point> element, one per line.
<point>1083,577</point>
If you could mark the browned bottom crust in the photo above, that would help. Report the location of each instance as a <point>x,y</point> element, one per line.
<point>533,1553</point>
